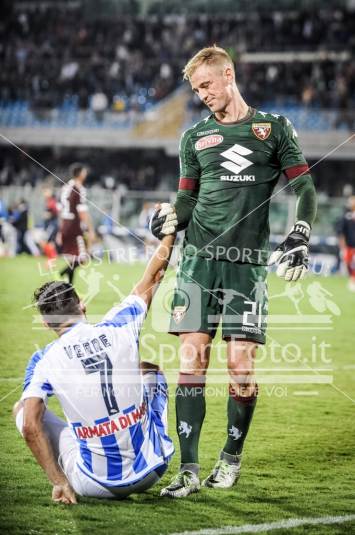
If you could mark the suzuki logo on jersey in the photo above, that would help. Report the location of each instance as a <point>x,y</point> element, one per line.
<point>261,130</point>
<point>238,178</point>
<point>208,141</point>
<point>237,163</point>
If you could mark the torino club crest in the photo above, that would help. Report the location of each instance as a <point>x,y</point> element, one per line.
<point>261,130</point>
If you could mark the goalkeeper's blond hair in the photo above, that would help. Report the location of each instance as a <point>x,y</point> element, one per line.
<point>211,55</point>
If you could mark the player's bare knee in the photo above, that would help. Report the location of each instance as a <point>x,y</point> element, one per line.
<point>242,379</point>
<point>241,354</point>
<point>194,353</point>
<point>241,357</point>
<point>193,360</point>
<point>241,374</point>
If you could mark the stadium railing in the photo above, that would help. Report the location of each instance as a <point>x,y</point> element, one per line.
<point>122,207</point>
<point>20,115</point>
<point>116,214</point>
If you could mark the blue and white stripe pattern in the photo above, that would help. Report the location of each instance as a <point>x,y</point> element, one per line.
<point>45,388</point>
<point>120,428</point>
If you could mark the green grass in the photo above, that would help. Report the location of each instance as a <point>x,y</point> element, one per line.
<point>298,458</point>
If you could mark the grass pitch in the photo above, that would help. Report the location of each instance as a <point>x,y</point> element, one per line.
<point>298,458</point>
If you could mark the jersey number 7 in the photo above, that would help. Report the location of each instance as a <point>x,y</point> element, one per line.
<point>101,363</point>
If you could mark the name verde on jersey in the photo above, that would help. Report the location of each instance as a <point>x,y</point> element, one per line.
<point>234,168</point>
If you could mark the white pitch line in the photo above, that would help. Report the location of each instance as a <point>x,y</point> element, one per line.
<point>11,392</point>
<point>10,379</point>
<point>281,524</point>
<point>306,393</point>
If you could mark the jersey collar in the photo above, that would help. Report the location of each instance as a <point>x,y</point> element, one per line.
<point>71,327</point>
<point>251,113</point>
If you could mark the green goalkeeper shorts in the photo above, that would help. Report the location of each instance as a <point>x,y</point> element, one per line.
<point>209,290</point>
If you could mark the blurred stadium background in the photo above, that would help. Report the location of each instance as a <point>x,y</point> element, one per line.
<point>100,82</point>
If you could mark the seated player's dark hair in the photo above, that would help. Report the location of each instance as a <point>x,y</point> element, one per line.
<point>57,302</point>
<point>76,168</point>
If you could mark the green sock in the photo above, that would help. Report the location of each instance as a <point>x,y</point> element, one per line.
<point>190,413</point>
<point>240,412</point>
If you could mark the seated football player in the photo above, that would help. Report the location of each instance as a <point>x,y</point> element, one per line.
<point>114,441</point>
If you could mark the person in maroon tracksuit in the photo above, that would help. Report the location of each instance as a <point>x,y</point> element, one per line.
<point>347,241</point>
<point>75,221</point>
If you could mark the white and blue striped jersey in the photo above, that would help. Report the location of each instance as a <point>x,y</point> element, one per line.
<point>94,372</point>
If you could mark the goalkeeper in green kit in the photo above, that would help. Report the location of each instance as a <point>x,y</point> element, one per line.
<point>230,163</point>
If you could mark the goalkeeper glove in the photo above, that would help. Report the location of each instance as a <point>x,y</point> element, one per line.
<point>292,254</point>
<point>163,221</point>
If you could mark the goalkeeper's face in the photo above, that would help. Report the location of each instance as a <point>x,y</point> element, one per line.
<point>213,85</point>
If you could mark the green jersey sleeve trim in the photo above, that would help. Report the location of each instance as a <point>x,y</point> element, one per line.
<point>189,184</point>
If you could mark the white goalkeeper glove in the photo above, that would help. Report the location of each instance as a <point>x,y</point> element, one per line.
<point>292,254</point>
<point>163,221</point>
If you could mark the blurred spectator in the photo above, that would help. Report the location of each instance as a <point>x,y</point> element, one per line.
<point>99,105</point>
<point>8,234</point>
<point>347,241</point>
<point>308,95</point>
<point>18,217</point>
<point>50,218</point>
<point>344,103</point>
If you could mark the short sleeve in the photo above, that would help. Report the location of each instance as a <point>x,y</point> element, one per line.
<point>78,200</point>
<point>189,165</point>
<point>36,382</point>
<point>129,314</point>
<point>288,150</point>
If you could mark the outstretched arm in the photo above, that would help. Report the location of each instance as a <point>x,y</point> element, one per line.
<point>169,219</point>
<point>155,270</point>
<point>187,195</point>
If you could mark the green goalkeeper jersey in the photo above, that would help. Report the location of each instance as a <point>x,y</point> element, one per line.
<point>233,168</point>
